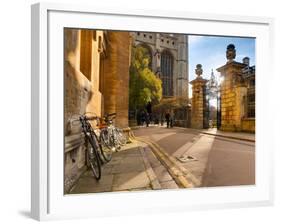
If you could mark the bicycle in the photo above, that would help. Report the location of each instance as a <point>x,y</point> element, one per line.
<point>96,154</point>
<point>93,147</point>
<point>112,135</point>
<point>105,152</point>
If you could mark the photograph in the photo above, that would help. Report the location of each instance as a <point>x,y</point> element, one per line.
<point>146,111</point>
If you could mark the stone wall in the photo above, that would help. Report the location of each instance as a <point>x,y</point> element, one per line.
<point>81,90</point>
<point>96,79</point>
<point>248,125</point>
<point>81,72</point>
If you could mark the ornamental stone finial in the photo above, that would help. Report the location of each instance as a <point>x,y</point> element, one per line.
<point>230,52</point>
<point>198,70</point>
<point>246,60</point>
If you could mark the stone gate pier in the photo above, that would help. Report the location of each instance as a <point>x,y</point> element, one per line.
<point>233,92</point>
<point>199,107</point>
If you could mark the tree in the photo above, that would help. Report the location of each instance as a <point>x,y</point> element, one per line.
<point>145,86</point>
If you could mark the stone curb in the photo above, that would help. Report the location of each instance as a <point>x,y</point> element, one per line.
<point>207,133</point>
<point>150,173</point>
<point>218,135</point>
<point>231,137</point>
<point>182,177</point>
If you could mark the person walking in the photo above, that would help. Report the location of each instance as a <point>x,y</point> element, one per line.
<point>147,119</point>
<point>149,111</point>
<point>167,117</point>
<point>172,120</point>
<point>138,118</point>
<point>142,117</point>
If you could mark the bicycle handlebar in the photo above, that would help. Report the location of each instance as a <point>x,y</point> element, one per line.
<point>109,115</point>
<point>84,117</point>
<point>106,117</point>
<point>91,117</point>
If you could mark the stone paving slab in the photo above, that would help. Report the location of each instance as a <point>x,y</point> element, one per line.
<point>128,170</point>
<point>130,180</point>
<point>169,185</point>
<point>88,184</point>
<point>133,166</point>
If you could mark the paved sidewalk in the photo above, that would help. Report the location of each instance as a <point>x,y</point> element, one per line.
<point>234,135</point>
<point>133,168</point>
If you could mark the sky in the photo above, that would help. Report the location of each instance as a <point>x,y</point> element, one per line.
<point>210,52</point>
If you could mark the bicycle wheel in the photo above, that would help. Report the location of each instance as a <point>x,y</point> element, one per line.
<point>111,139</point>
<point>114,140</point>
<point>107,148</point>
<point>93,158</point>
<point>121,137</point>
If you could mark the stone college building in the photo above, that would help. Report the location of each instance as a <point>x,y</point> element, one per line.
<point>169,60</point>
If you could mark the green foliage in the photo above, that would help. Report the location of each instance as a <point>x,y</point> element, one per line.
<point>145,86</point>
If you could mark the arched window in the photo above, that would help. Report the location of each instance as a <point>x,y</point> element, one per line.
<point>167,73</point>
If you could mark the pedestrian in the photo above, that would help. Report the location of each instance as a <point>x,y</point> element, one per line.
<point>167,117</point>
<point>171,122</point>
<point>156,119</point>
<point>149,110</point>
<point>162,119</point>
<point>147,119</point>
<point>142,117</point>
<point>149,107</point>
<point>138,118</point>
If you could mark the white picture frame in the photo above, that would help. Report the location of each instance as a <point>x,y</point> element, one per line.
<point>48,201</point>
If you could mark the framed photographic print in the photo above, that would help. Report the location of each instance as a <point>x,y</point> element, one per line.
<point>148,111</point>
